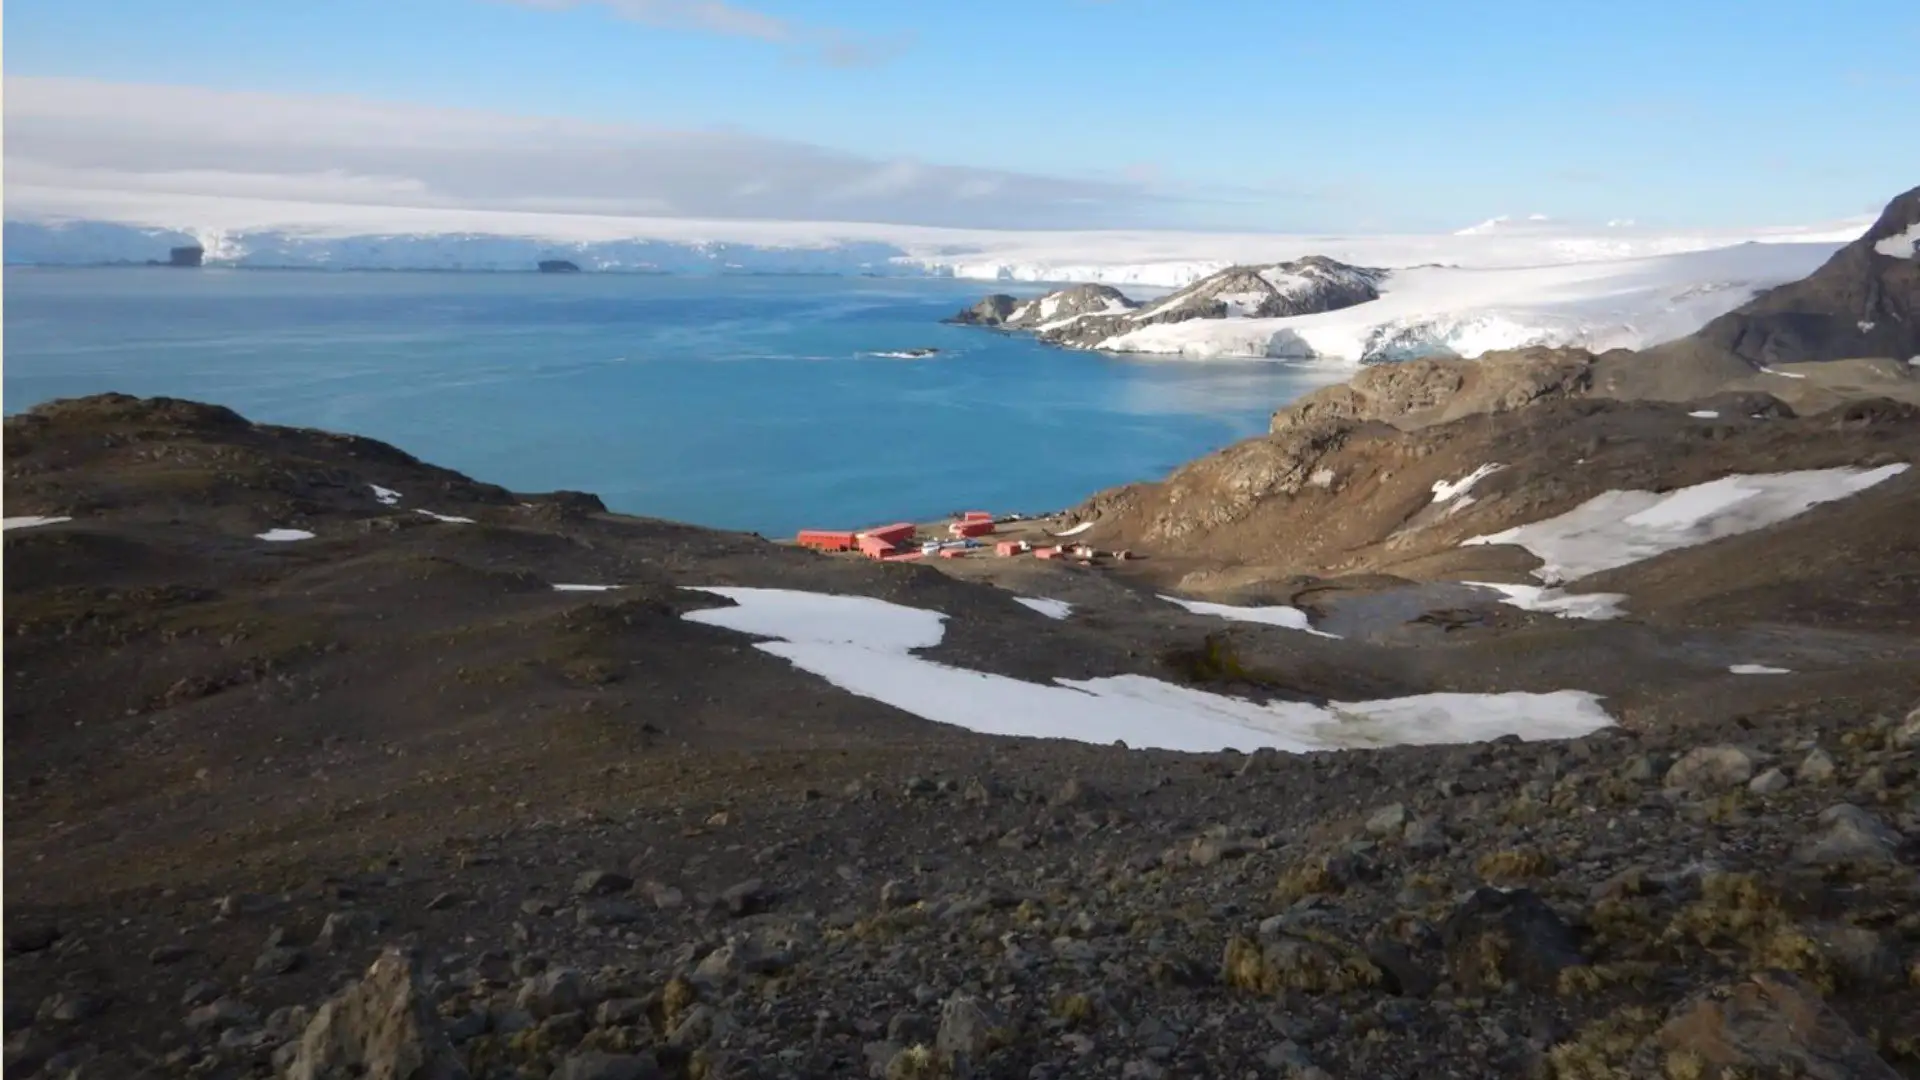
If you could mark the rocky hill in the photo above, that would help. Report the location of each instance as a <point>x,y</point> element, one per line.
<point>1861,308</point>
<point>1086,315</point>
<point>323,761</point>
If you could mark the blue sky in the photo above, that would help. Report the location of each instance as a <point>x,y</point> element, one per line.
<point>1248,114</point>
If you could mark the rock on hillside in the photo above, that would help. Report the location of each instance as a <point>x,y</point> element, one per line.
<point>1084,316</point>
<point>1417,393</point>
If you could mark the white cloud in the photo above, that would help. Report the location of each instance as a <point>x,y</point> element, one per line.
<point>835,48</point>
<point>80,134</point>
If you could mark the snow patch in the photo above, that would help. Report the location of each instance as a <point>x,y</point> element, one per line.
<point>584,588</point>
<point>1758,669</point>
<point>1076,530</point>
<point>1616,528</point>
<point>283,536</point>
<point>1704,414</point>
<point>30,521</point>
<point>387,496</point>
<point>1278,615</point>
<point>1443,491</point>
<point>1764,370</point>
<point>1901,245</point>
<point>446,517</point>
<point>864,646</point>
<point>1052,609</point>
<point>1566,605</point>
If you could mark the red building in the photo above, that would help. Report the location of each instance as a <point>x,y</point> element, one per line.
<point>893,534</point>
<point>826,540</point>
<point>970,528</point>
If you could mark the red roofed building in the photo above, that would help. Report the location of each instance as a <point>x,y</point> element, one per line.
<point>826,540</point>
<point>893,534</point>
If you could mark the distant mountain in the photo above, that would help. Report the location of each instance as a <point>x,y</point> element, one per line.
<point>1084,316</point>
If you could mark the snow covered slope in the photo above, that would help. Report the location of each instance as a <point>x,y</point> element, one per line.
<point>1453,311</point>
<point>72,226</point>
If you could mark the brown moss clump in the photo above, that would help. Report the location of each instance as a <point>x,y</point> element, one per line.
<point>1215,660</point>
<point>1311,878</point>
<point>1588,979</point>
<point>1073,1008</point>
<point>1738,915</point>
<point>675,999</point>
<point>917,1063</point>
<point>1601,1049</point>
<point>1514,864</point>
<point>1296,963</point>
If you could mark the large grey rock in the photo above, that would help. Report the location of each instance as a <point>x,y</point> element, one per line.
<point>347,930</point>
<point>966,1032</point>
<point>381,1028</point>
<point>1514,933</point>
<point>1849,834</point>
<point>1707,769</point>
<point>1771,1024</point>
<point>560,990</point>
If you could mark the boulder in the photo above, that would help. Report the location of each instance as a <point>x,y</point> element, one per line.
<point>1771,1024</point>
<point>381,1028</point>
<point>1495,935</point>
<point>1849,834</point>
<point>1706,769</point>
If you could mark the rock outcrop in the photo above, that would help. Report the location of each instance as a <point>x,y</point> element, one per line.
<point>1301,287</point>
<point>382,1028</point>
<point>1418,393</point>
<point>1084,316</point>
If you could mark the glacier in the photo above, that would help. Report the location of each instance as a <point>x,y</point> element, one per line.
<point>1502,284</point>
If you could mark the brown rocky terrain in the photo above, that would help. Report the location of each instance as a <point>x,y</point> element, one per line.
<point>608,842</point>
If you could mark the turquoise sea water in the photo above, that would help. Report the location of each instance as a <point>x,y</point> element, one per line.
<point>740,402</point>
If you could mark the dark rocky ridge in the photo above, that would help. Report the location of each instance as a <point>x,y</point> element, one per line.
<point>1861,303</point>
<point>619,844</point>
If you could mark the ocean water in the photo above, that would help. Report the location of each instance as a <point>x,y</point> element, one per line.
<point>753,403</point>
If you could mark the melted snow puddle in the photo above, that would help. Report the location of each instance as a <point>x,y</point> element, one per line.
<point>1052,609</point>
<point>30,521</point>
<point>446,517</point>
<point>283,536</point>
<point>1292,618</point>
<point>1758,669</point>
<point>865,646</point>
<point>1604,605</point>
<point>387,496</point>
<point>1616,528</point>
